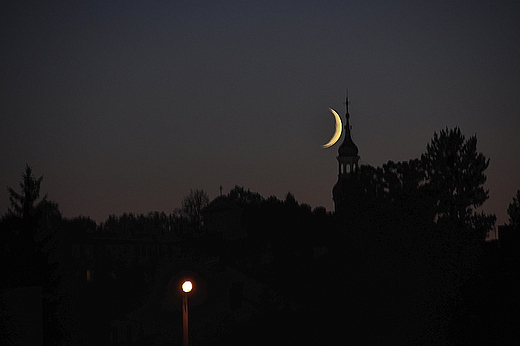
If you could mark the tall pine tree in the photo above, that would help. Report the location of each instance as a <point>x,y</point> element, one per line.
<point>24,204</point>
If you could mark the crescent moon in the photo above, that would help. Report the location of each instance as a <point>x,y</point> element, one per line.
<point>337,133</point>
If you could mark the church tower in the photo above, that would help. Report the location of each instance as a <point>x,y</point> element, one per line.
<point>348,161</point>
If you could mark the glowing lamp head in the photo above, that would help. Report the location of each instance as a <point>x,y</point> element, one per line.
<point>187,286</point>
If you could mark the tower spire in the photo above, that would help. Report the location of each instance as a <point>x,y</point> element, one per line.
<point>348,151</point>
<point>348,161</point>
<point>347,116</point>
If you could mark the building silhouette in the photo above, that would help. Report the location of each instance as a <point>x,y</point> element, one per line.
<point>223,216</point>
<point>346,187</point>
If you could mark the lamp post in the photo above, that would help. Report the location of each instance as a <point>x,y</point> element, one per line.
<point>186,288</point>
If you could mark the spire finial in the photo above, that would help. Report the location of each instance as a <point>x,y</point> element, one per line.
<point>346,105</point>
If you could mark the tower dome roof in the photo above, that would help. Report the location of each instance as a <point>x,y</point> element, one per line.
<point>348,148</point>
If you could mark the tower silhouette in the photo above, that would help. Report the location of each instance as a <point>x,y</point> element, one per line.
<point>348,162</point>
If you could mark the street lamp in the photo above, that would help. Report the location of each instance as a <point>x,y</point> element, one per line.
<point>186,288</point>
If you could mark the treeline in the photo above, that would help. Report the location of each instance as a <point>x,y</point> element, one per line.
<point>403,255</point>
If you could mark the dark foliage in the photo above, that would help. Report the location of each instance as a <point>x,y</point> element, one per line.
<point>192,206</point>
<point>24,204</point>
<point>403,262</point>
<point>513,210</point>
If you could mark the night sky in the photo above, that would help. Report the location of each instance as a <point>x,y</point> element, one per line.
<point>124,106</point>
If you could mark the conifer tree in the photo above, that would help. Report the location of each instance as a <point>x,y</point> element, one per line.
<point>24,204</point>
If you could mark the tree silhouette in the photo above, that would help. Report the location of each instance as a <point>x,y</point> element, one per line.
<point>514,211</point>
<point>412,230</point>
<point>239,195</point>
<point>24,204</point>
<point>28,227</point>
<point>192,206</point>
<point>455,179</point>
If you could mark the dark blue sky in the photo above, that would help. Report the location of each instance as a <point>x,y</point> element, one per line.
<point>125,106</point>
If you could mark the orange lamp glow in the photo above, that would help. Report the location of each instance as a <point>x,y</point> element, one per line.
<point>187,286</point>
